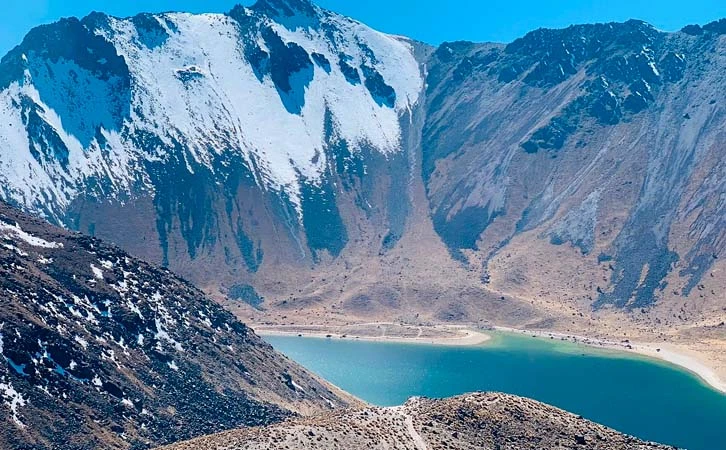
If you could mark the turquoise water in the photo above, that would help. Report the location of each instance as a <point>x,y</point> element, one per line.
<point>638,396</point>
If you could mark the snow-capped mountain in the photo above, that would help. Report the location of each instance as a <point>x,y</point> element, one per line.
<point>106,108</point>
<point>300,161</point>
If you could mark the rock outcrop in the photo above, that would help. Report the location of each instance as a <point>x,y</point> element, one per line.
<point>485,421</point>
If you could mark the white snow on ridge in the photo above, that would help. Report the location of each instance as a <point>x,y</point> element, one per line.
<point>23,178</point>
<point>48,185</point>
<point>228,96</point>
<point>16,231</point>
<point>220,107</point>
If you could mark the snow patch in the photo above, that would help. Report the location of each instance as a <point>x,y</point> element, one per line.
<point>163,335</point>
<point>7,230</point>
<point>13,400</point>
<point>82,342</point>
<point>97,273</point>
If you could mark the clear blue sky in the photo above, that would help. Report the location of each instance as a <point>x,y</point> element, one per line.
<point>432,21</point>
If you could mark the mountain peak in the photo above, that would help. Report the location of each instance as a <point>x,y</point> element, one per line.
<point>717,27</point>
<point>604,32</point>
<point>285,8</point>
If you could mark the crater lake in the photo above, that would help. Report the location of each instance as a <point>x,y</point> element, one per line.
<point>646,398</point>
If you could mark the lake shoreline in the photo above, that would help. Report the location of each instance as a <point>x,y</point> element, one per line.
<point>465,336</point>
<point>460,335</point>
<point>663,352</point>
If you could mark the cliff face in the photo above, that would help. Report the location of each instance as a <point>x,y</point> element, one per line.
<point>604,138</point>
<point>296,162</point>
<point>101,350</point>
<point>483,421</point>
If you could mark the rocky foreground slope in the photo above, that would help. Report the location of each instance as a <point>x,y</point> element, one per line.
<point>101,350</point>
<point>485,421</point>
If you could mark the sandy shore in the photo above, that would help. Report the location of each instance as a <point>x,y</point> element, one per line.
<point>434,335</point>
<point>689,360</point>
<point>463,335</point>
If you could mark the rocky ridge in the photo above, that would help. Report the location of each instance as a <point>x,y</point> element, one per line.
<point>101,350</point>
<point>477,421</point>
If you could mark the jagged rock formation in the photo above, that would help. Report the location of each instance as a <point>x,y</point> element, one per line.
<point>101,350</point>
<point>484,421</point>
<point>298,163</point>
